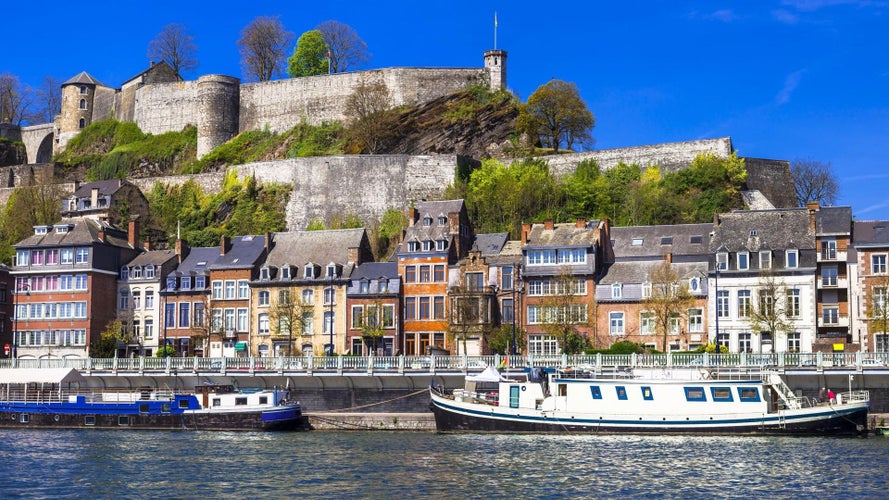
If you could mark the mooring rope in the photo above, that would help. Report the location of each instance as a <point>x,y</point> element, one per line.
<point>378,402</point>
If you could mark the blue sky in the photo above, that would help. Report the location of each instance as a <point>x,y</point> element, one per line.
<point>785,79</point>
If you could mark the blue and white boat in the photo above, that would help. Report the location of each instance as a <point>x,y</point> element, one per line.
<point>60,398</point>
<point>680,401</point>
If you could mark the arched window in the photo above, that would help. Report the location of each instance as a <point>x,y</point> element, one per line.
<point>82,123</point>
<point>83,104</point>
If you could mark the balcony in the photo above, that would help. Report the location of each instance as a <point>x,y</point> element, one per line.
<point>833,320</point>
<point>831,255</point>
<point>831,282</point>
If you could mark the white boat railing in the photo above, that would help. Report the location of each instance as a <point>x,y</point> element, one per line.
<point>433,364</point>
<point>37,395</point>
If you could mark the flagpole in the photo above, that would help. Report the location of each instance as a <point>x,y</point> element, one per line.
<point>495,30</point>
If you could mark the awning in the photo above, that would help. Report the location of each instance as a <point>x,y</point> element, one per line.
<point>241,346</point>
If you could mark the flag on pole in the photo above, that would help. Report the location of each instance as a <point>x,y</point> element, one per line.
<point>495,18</point>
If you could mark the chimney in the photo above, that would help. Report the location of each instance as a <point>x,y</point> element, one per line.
<point>147,246</point>
<point>133,233</point>
<point>669,257</point>
<point>580,223</point>
<point>411,216</point>
<point>182,250</point>
<point>548,225</point>
<point>526,229</point>
<point>94,198</point>
<point>354,256</point>
<point>225,244</point>
<point>715,218</point>
<point>101,235</point>
<point>812,207</point>
<point>268,241</point>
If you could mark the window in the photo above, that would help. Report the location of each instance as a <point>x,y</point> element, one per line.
<point>616,323</point>
<point>695,320</point>
<point>829,275</point>
<point>149,272</point>
<point>410,274</point>
<point>646,290</point>
<point>243,290</point>
<point>475,281</point>
<point>283,297</point>
<point>542,345</point>
<point>413,246</point>
<point>83,89</point>
<point>410,307</point>
<point>184,315</point>
<point>200,282</point>
<point>442,220</point>
<point>198,316</point>
<point>506,275</point>
<point>264,324</point>
<point>123,301</point>
<point>793,342</point>
<point>765,259</point>
<point>615,290</point>
<point>438,307</point>
<point>438,273</point>
<point>766,303</point>
<point>792,257</point>
<point>388,319</point>
<point>674,324</point>
<point>308,323</point>
<point>721,394</point>
<point>329,318</point>
<point>329,296</point>
<point>424,308</point>
<point>722,261</point>
<point>170,315</point>
<point>171,282</point>
<point>427,245</point>
<point>744,342</point>
<point>81,123</point>
<point>646,323</point>
<point>285,272</point>
<point>22,257</point>
<point>36,257</point>
<point>229,320</point>
<point>441,245</point>
<point>744,303</point>
<point>427,221</point>
<point>830,315</point>
<point>878,264</point>
<point>81,255</point>
<point>694,394</point>
<point>308,297</point>
<point>425,275</point>
<point>621,392</point>
<point>637,242</point>
<point>149,299</point>
<point>646,393</point>
<point>829,249</point>
<point>541,257</point>
<point>722,304</point>
<point>243,319</point>
<point>83,104</point>
<point>149,328</point>
<point>793,302</point>
<point>80,281</point>
<point>230,289</point>
<point>743,261</point>
<point>67,255</point>
<point>137,272</point>
<point>878,309</point>
<point>124,273</point>
<point>308,272</point>
<point>217,290</point>
<point>357,316</point>
<point>748,394</point>
<point>331,271</point>
<point>264,298</point>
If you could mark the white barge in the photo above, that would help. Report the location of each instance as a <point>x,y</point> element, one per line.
<point>680,401</point>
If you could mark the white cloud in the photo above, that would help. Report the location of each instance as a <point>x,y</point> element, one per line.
<point>785,16</point>
<point>790,84</point>
<point>724,15</point>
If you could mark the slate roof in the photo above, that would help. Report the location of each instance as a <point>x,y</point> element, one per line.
<point>510,254</point>
<point>298,248</point>
<point>754,230</point>
<point>489,244</point>
<point>107,187</point>
<point>374,272</point>
<point>874,233</point>
<point>82,77</point>
<point>244,253</point>
<point>676,239</point>
<point>82,231</point>
<point>635,274</point>
<point>833,221</point>
<point>435,231</point>
<point>154,257</point>
<point>198,261</point>
<point>563,235</point>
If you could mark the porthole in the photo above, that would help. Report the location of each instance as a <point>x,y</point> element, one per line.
<point>55,417</point>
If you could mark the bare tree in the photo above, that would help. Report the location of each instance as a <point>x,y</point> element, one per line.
<point>49,100</point>
<point>15,99</point>
<point>288,316</point>
<point>469,314</point>
<point>769,314</point>
<point>564,310</point>
<point>263,46</point>
<point>175,46</point>
<point>347,49</point>
<point>371,120</point>
<point>669,300</point>
<point>877,306</point>
<point>814,181</point>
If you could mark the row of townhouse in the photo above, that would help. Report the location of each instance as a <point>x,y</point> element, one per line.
<point>801,280</point>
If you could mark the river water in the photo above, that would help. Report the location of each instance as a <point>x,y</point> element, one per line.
<point>144,464</point>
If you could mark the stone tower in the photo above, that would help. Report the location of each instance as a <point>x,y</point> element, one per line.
<point>219,100</point>
<point>78,98</point>
<point>495,65</point>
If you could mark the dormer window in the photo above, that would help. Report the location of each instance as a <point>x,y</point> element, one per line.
<point>124,273</point>
<point>171,283</point>
<point>646,290</point>
<point>185,283</point>
<point>383,285</point>
<point>413,246</point>
<point>363,286</point>
<point>285,272</point>
<point>792,261</point>
<point>308,272</point>
<point>722,261</point>
<point>39,229</point>
<point>441,245</point>
<point>264,274</point>
<point>427,245</point>
<point>765,259</point>
<point>331,271</point>
<point>149,271</point>
<point>616,289</point>
<point>137,272</point>
<point>427,221</point>
<point>743,261</point>
<point>62,229</point>
<point>442,220</point>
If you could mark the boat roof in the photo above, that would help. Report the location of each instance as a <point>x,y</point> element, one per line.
<point>40,375</point>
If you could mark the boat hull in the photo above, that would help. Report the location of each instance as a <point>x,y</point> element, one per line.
<point>455,417</point>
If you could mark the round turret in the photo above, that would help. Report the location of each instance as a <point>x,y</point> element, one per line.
<point>218,111</point>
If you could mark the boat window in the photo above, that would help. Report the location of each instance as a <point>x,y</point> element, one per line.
<point>263,400</point>
<point>25,418</point>
<point>563,389</point>
<point>694,394</point>
<point>123,420</point>
<point>721,394</point>
<point>597,392</point>
<point>143,407</point>
<point>183,403</point>
<point>240,401</point>
<point>513,396</point>
<point>646,393</point>
<point>89,420</point>
<point>621,392</point>
<point>748,394</point>
<point>165,408</point>
<point>217,402</point>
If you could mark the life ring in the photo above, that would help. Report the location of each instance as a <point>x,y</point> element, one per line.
<point>524,388</point>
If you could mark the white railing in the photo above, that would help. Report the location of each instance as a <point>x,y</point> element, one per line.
<point>465,364</point>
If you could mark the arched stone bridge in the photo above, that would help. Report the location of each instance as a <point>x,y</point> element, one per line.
<point>38,141</point>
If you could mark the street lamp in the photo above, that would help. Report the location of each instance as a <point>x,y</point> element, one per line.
<point>330,319</point>
<point>716,293</point>
<point>515,288</point>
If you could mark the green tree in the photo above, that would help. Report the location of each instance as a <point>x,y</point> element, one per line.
<point>309,57</point>
<point>877,305</point>
<point>565,310</point>
<point>371,119</point>
<point>555,113</point>
<point>500,339</point>
<point>111,339</point>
